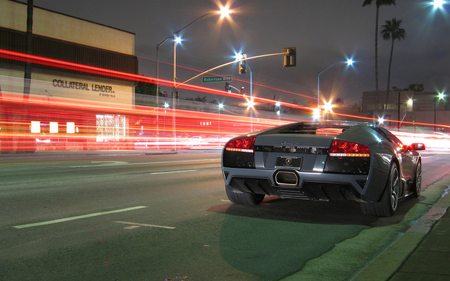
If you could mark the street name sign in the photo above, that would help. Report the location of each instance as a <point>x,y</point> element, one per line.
<point>212,79</point>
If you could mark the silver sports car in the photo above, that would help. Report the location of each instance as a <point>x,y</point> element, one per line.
<point>323,161</point>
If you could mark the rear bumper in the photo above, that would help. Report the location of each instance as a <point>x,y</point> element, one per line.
<point>310,186</point>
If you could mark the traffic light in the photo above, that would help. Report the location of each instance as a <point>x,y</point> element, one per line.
<point>227,86</point>
<point>290,56</point>
<point>243,65</point>
<point>243,90</point>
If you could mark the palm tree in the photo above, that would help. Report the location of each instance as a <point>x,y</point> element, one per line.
<point>378,3</point>
<point>392,31</point>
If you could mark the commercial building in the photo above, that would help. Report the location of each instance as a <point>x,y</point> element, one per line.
<point>70,58</point>
<point>410,108</point>
<point>69,39</point>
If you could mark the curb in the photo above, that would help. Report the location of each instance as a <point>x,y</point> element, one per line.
<point>390,260</point>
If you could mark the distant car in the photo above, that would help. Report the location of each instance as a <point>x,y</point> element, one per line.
<point>323,162</point>
<point>196,140</point>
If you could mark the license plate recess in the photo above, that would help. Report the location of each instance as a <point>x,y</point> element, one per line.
<point>289,162</point>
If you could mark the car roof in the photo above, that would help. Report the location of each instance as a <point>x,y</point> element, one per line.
<point>317,127</point>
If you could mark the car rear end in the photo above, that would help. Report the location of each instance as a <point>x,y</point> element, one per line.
<point>301,161</point>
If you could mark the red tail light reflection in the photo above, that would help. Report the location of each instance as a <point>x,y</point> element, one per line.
<point>241,145</point>
<point>341,148</point>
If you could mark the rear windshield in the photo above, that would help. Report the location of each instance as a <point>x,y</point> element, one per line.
<point>314,129</point>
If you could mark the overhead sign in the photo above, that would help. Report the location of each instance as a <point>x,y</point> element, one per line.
<point>211,79</point>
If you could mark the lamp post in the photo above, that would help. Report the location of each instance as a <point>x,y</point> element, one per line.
<point>224,12</point>
<point>349,62</point>
<point>157,68</point>
<point>157,88</point>
<point>436,100</point>
<point>218,125</point>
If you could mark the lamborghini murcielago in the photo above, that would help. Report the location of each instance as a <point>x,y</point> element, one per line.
<point>323,162</point>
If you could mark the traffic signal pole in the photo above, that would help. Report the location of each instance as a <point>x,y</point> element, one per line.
<point>229,63</point>
<point>289,60</point>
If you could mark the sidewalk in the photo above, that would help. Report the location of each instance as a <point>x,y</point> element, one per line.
<point>422,252</point>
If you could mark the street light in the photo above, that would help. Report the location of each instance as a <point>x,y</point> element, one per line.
<point>316,114</point>
<point>220,105</point>
<point>349,62</point>
<point>278,108</point>
<point>224,13</point>
<point>328,107</point>
<point>436,100</point>
<point>437,4</point>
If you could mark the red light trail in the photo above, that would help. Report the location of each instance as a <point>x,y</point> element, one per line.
<point>66,123</point>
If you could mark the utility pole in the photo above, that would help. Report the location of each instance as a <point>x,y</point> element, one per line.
<point>29,46</point>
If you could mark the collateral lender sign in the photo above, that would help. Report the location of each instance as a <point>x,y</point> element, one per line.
<point>211,79</point>
<point>103,90</point>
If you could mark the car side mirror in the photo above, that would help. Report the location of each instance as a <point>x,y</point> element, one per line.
<point>417,146</point>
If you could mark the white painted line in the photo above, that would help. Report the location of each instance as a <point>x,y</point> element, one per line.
<point>172,172</point>
<point>78,217</point>
<point>109,163</point>
<point>143,224</point>
<point>118,163</point>
<point>132,227</point>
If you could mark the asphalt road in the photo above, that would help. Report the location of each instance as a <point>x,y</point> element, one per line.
<point>167,217</point>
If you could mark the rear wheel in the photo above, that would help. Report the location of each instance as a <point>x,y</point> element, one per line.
<point>243,198</point>
<point>417,184</point>
<point>388,203</point>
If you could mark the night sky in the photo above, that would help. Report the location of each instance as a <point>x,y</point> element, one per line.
<point>324,32</point>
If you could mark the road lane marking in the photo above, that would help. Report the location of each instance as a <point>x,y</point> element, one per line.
<point>118,163</point>
<point>78,217</point>
<point>144,224</point>
<point>132,227</point>
<point>109,163</point>
<point>172,172</point>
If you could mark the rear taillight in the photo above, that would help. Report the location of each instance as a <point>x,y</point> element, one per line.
<point>341,148</point>
<point>246,145</point>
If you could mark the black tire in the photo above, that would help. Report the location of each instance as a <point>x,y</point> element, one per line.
<point>388,203</point>
<point>416,188</point>
<point>243,198</point>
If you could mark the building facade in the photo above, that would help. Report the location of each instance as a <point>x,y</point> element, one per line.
<point>70,59</point>
<point>409,108</point>
<point>63,38</point>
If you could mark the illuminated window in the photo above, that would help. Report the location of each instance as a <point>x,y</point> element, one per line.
<point>111,127</point>
<point>70,127</point>
<point>53,127</point>
<point>35,126</point>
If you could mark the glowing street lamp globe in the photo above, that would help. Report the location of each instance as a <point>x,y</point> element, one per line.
<point>224,12</point>
<point>438,4</point>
